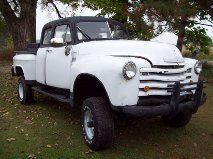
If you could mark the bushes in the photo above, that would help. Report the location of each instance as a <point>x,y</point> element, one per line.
<point>6,54</point>
<point>207,72</point>
<point>6,51</point>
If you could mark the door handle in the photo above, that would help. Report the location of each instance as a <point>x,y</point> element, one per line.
<point>67,50</point>
<point>49,51</point>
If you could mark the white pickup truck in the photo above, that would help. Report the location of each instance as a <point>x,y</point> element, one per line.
<point>92,63</point>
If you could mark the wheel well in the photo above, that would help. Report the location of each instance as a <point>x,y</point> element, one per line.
<point>19,71</point>
<point>88,86</point>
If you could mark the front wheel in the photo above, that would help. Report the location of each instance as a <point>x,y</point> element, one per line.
<point>25,92</point>
<point>97,123</point>
<point>180,120</point>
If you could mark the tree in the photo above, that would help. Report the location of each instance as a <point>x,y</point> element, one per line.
<point>147,18</point>
<point>52,4</point>
<point>2,25</point>
<point>5,38</point>
<point>197,41</point>
<point>20,18</point>
<point>126,11</point>
<point>178,15</point>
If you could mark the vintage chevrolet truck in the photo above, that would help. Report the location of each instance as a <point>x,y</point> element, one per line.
<point>90,62</point>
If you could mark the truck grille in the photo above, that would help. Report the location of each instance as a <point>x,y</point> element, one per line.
<point>158,79</point>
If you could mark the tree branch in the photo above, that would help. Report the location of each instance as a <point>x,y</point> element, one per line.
<point>7,11</point>
<point>16,5</point>
<point>57,11</point>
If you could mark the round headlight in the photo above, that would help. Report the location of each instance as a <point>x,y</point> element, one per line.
<point>198,67</point>
<point>129,70</point>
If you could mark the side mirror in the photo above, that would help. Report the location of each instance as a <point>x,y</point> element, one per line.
<point>57,42</point>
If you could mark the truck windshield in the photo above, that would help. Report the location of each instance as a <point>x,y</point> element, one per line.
<point>100,30</point>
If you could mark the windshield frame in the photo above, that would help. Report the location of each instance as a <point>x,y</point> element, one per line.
<point>97,39</point>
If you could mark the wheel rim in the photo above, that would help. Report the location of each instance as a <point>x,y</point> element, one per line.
<point>88,123</point>
<point>21,91</point>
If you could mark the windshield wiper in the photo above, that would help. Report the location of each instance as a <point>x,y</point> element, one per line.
<point>85,34</point>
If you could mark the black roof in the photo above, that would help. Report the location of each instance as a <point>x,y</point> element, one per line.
<point>76,19</point>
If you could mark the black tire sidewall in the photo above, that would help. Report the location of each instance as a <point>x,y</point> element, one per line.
<point>103,123</point>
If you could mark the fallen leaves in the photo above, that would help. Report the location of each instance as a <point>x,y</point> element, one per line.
<point>11,139</point>
<point>49,146</point>
<point>28,122</point>
<point>89,151</point>
<point>31,156</point>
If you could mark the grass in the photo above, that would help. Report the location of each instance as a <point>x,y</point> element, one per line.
<point>51,130</point>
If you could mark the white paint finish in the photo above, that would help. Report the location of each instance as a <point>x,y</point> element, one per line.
<point>27,63</point>
<point>166,37</point>
<point>41,65</point>
<point>108,70</point>
<point>155,52</point>
<point>95,58</point>
<point>58,67</point>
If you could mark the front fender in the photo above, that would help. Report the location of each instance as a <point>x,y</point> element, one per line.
<point>108,70</point>
<point>190,63</point>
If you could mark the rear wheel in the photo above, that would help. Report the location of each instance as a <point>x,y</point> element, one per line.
<point>25,92</point>
<point>97,123</point>
<point>180,120</point>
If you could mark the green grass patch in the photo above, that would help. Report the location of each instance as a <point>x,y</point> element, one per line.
<point>49,129</point>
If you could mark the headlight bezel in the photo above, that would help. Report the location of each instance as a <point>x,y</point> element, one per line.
<point>198,67</point>
<point>131,67</point>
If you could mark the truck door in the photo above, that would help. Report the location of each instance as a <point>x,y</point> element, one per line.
<point>58,62</point>
<point>41,55</point>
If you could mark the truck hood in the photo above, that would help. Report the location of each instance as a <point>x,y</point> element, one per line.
<point>157,53</point>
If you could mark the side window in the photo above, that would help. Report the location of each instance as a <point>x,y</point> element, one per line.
<point>47,36</point>
<point>63,31</point>
<point>80,35</point>
<point>117,31</point>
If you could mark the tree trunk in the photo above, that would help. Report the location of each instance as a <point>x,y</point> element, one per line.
<point>181,35</point>
<point>23,27</point>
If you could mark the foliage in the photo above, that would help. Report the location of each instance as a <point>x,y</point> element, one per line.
<point>127,12</point>
<point>8,43</point>
<point>52,6</point>
<point>2,25</point>
<point>196,37</point>
<point>207,72</point>
<point>148,18</point>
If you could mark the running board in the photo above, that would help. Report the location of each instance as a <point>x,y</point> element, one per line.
<point>59,97</point>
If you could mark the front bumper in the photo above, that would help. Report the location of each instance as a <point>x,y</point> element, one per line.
<point>175,106</point>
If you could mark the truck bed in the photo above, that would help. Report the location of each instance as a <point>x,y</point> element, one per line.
<point>32,48</point>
